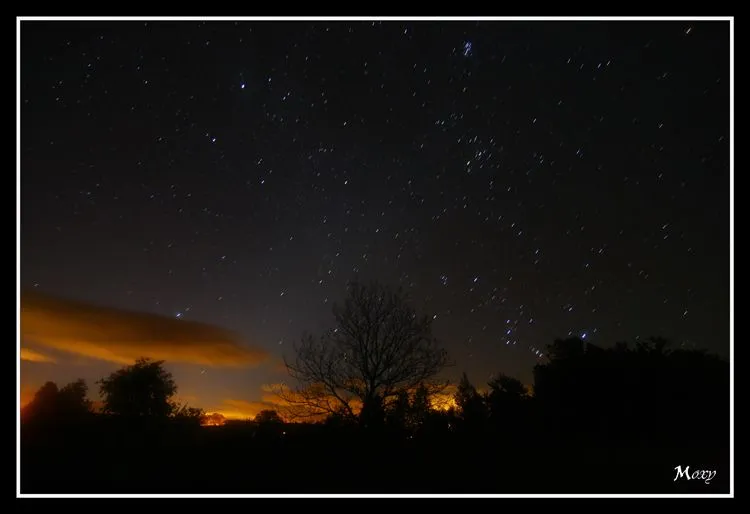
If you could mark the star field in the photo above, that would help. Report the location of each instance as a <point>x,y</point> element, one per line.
<point>521,180</point>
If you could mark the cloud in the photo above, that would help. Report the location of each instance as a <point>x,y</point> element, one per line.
<point>27,354</point>
<point>122,336</point>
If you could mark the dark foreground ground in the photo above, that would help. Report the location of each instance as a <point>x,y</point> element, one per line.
<point>292,459</point>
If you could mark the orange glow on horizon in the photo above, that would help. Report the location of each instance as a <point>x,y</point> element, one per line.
<point>213,419</point>
<point>443,402</point>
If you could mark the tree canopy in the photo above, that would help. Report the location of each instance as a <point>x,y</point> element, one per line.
<point>144,389</point>
<point>49,402</point>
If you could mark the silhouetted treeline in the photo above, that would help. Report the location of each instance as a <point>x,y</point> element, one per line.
<point>648,392</point>
<point>595,420</point>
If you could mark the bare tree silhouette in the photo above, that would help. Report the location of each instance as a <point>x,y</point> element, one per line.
<point>378,349</point>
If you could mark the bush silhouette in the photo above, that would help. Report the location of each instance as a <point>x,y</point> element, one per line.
<point>268,416</point>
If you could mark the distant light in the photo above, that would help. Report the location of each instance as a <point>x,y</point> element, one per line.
<point>242,86</point>
<point>583,336</point>
<point>178,315</point>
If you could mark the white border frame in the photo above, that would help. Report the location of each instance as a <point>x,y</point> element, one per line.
<point>730,19</point>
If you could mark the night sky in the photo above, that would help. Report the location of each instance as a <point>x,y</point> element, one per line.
<point>522,181</point>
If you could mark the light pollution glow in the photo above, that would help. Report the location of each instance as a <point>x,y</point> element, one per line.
<point>119,336</point>
<point>232,409</point>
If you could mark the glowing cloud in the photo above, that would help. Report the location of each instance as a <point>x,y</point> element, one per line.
<point>122,336</point>
<point>27,354</point>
